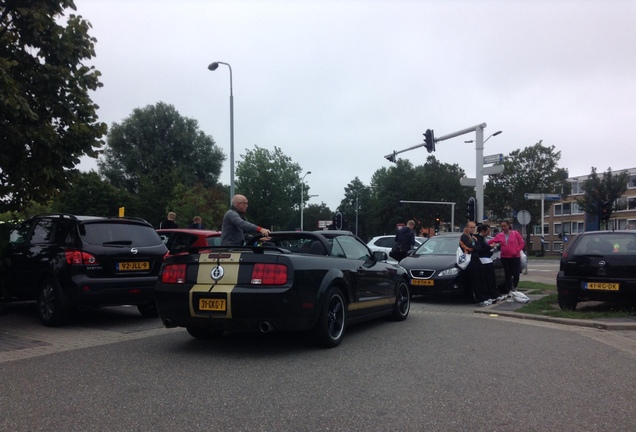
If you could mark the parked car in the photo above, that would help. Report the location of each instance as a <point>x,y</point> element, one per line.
<point>432,269</point>
<point>319,282</point>
<point>598,265</point>
<point>180,239</point>
<point>386,243</point>
<point>65,262</point>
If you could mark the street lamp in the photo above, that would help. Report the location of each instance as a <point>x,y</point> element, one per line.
<point>213,67</point>
<point>495,134</point>
<point>302,198</point>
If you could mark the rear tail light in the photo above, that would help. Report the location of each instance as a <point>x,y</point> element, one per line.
<point>269,274</point>
<point>174,273</point>
<point>77,257</point>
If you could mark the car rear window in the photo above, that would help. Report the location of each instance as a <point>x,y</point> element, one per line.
<point>118,233</point>
<point>604,244</point>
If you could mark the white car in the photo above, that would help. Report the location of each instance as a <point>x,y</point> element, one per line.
<point>385,244</point>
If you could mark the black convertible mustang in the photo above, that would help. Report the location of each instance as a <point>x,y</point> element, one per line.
<point>318,281</point>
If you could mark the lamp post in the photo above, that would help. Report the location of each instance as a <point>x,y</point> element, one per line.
<point>213,67</point>
<point>302,198</point>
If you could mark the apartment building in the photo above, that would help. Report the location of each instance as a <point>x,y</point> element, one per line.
<point>564,219</point>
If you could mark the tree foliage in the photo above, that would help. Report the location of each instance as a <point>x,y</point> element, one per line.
<point>607,189</point>
<point>156,149</point>
<point>209,203</point>
<point>271,183</point>
<point>89,194</point>
<point>531,170</point>
<point>47,119</point>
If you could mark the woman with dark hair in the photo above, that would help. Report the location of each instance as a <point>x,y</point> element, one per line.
<point>472,274</point>
<point>488,268</point>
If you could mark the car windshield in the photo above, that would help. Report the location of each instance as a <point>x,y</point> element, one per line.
<point>439,246</point>
<point>602,244</point>
<point>119,234</point>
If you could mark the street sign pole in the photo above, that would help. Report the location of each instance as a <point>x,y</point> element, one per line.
<point>479,171</point>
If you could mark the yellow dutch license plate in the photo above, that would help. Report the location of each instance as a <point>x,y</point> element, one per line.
<point>215,305</point>
<point>133,265</point>
<point>602,286</point>
<point>423,282</point>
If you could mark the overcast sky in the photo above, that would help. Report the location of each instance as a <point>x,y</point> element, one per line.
<point>337,85</point>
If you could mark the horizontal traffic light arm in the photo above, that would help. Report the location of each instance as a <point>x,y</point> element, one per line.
<point>438,139</point>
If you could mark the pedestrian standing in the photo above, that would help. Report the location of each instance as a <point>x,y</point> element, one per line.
<point>235,225</point>
<point>472,273</point>
<point>488,268</point>
<point>511,243</point>
<point>169,222</point>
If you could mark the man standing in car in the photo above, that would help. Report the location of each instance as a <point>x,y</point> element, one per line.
<point>235,226</point>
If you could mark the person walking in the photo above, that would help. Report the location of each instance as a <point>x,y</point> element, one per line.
<point>169,222</point>
<point>235,225</point>
<point>404,241</point>
<point>472,276</point>
<point>488,277</point>
<point>511,244</point>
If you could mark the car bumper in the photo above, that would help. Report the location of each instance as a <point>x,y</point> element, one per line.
<point>245,308</point>
<point>85,291</point>
<point>441,285</point>
<point>575,286</point>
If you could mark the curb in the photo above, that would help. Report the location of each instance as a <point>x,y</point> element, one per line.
<point>602,325</point>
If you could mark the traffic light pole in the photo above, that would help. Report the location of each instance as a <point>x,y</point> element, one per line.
<point>479,162</point>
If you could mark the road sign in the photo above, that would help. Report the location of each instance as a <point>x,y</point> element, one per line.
<point>491,159</point>
<point>523,217</point>
<point>552,197</point>
<point>532,196</point>
<point>546,197</point>
<point>465,181</point>
<point>495,169</point>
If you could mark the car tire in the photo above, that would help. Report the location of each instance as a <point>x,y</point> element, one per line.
<point>148,310</point>
<point>567,302</point>
<point>402,305</point>
<point>49,303</point>
<point>332,320</point>
<point>203,333</point>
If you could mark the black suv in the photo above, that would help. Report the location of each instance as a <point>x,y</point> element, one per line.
<point>598,265</point>
<point>65,262</point>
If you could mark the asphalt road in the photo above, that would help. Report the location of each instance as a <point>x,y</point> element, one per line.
<point>444,369</point>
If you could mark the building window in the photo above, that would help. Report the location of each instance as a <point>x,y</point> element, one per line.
<point>566,208</point>
<point>577,188</point>
<point>631,203</point>
<point>557,246</point>
<point>558,229</point>
<point>536,230</point>
<point>632,182</point>
<point>558,210</point>
<point>576,208</point>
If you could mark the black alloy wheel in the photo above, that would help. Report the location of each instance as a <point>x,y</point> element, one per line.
<point>402,305</point>
<point>49,303</point>
<point>331,324</point>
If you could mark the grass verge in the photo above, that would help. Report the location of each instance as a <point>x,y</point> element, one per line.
<point>549,305</point>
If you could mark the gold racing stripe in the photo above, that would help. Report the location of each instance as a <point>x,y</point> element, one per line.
<point>229,262</point>
<point>371,303</point>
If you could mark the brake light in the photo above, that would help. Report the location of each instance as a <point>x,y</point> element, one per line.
<point>269,274</point>
<point>174,273</point>
<point>77,257</point>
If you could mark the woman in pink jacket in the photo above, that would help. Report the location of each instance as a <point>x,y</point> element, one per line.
<point>511,243</point>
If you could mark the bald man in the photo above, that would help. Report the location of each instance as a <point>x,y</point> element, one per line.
<point>235,226</point>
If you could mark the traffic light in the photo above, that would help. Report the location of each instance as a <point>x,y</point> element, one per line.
<point>338,220</point>
<point>437,223</point>
<point>429,140</point>
<point>471,205</point>
<point>392,157</point>
<point>606,210</point>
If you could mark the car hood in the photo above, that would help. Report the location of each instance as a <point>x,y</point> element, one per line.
<point>433,262</point>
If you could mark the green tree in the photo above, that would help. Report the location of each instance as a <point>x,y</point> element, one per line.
<point>271,183</point>
<point>153,151</point>
<point>209,203</point>
<point>89,194</point>
<point>355,207</point>
<point>47,119</point>
<point>531,170</point>
<point>315,213</point>
<point>607,189</point>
